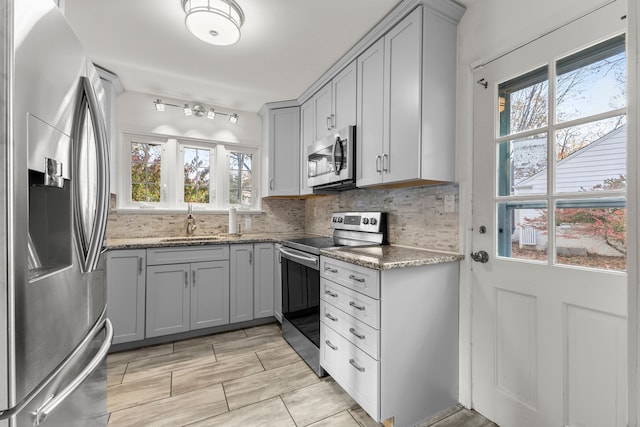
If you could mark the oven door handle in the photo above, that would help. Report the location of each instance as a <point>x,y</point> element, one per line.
<point>300,257</point>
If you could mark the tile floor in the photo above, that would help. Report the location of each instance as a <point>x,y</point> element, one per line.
<point>249,377</point>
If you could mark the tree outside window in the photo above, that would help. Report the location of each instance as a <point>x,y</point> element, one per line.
<point>145,172</point>
<point>240,179</point>
<point>197,183</point>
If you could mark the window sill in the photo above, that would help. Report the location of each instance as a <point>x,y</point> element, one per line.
<point>173,211</point>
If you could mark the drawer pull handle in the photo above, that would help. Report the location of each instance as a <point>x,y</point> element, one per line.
<point>356,306</point>
<point>330,317</point>
<point>331,294</point>
<point>331,346</point>
<point>356,278</point>
<point>330,270</point>
<point>356,333</point>
<point>355,365</point>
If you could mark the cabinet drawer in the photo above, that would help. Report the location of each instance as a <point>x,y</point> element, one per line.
<point>360,306</point>
<point>181,254</point>
<point>362,335</point>
<point>361,279</point>
<point>353,369</point>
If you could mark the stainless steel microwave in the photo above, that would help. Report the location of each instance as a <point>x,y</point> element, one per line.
<point>331,162</point>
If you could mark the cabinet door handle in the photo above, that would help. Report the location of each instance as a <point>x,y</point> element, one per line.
<point>186,279</point>
<point>331,294</point>
<point>139,265</point>
<point>328,122</point>
<point>333,121</point>
<point>356,306</point>
<point>385,163</point>
<point>331,346</point>
<point>378,159</point>
<point>356,278</point>
<point>330,317</point>
<point>355,365</point>
<point>356,333</point>
<point>250,257</point>
<point>193,278</point>
<point>330,270</point>
<point>271,184</point>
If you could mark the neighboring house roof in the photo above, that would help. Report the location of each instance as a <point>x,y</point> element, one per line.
<point>603,159</point>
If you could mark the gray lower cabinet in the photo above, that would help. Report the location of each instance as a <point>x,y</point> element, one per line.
<point>126,293</point>
<point>263,280</point>
<point>241,283</point>
<point>277,286</point>
<point>183,297</point>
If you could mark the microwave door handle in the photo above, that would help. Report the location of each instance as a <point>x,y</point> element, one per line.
<point>335,163</point>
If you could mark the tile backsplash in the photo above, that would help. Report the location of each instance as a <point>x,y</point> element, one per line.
<point>416,216</point>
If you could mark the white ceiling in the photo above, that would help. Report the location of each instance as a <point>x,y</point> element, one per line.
<point>286,45</point>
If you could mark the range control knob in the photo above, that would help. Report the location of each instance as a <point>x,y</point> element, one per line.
<point>334,219</point>
<point>373,221</point>
<point>340,219</point>
<point>365,221</point>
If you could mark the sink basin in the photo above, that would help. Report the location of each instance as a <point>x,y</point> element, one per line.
<point>190,239</point>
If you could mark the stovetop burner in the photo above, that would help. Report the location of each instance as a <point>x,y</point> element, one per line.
<point>349,229</point>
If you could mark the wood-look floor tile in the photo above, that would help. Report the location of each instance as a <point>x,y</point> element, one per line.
<point>147,368</point>
<point>192,378</point>
<point>342,419</point>
<point>363,419</point>
<point>269,329</point>
<point>464,418</point>
<point>439,417</point>
<point>123,396</point>
<point>318,401</point>
<point>278,356</point>
<point>209,340</point>
<point>115,373</point>
<point>254,388</point>
<point>139,353</point>
<point>175,410</point>
<point>268,413</point>
<point>248,345</point>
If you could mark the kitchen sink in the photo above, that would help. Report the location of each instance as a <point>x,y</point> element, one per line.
<point>191,239</point>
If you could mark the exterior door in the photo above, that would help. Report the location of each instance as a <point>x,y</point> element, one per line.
<point>549,207</point>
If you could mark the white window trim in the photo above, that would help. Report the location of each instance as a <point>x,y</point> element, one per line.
<point>172,175</point>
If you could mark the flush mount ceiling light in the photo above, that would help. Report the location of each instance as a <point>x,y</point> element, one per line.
<point>214,21</point>
<point>196,110</point>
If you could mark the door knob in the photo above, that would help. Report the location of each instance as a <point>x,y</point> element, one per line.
<point>480,256</point>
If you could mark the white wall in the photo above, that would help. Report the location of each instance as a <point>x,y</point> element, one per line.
<point>488,29</point>
<point>136,113</point>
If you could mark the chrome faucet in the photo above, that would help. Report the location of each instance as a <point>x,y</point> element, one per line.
<point>191,221</point>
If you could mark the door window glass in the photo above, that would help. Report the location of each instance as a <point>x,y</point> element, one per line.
<point>585,183</point>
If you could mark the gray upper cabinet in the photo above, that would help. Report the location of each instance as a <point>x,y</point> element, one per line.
<point>281,155</point>
<point>264,276</point>
<point>307,137</point>
<point>389,98</point>
<point>406,103</point>
<point>126,270</point>
<point>335,103</point>
<point>241,283</point>
<point>168,299</point>
<point>209,294</point>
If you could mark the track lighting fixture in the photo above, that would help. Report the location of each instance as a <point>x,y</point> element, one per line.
<point>197,110</point>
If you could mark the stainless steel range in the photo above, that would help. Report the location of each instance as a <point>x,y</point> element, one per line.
<point>301,277</point>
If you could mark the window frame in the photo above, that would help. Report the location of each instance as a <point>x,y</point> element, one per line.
<point>172,174</point>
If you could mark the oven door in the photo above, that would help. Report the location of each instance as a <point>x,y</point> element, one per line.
<point>331,159</point>
<point>301,305</point>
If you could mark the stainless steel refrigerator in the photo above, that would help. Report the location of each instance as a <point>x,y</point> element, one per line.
<point>54,334</point>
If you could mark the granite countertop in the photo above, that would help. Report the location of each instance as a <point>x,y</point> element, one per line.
<point>387,257</point>
<point>220,239</point>
<point>383,257</point>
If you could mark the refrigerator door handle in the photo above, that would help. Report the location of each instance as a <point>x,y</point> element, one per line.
<point>91,245</point>
<point>53,401</point>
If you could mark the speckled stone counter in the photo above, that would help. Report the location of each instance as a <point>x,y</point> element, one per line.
<point>387,257</point>
<point>222,239</point>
